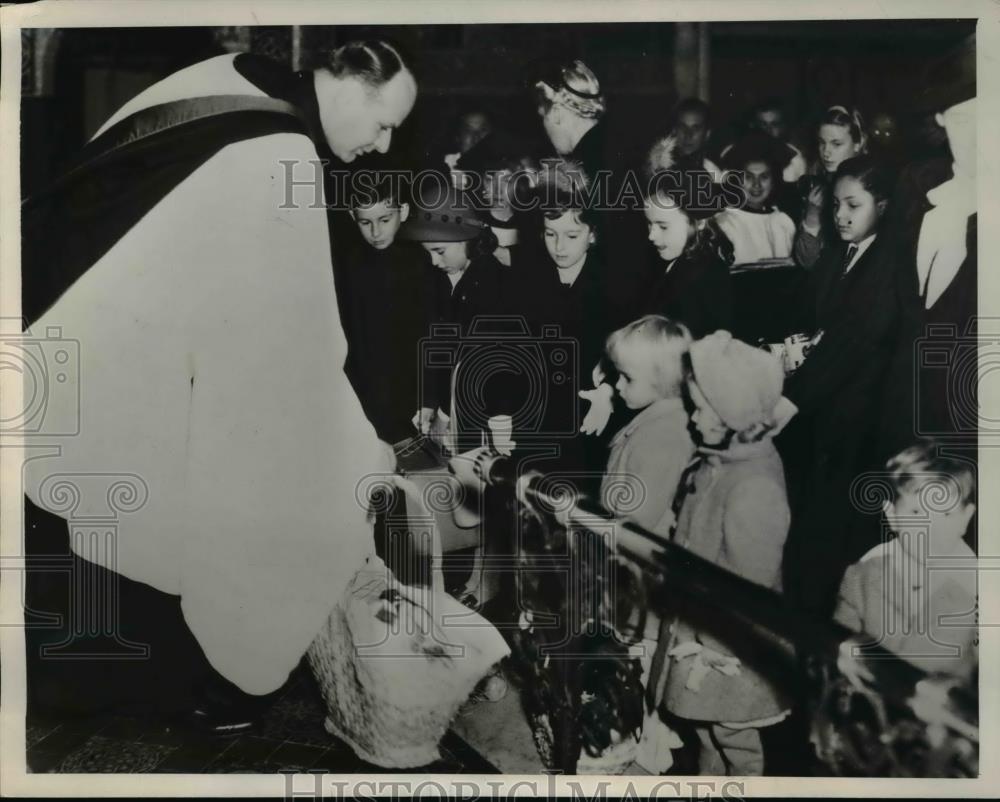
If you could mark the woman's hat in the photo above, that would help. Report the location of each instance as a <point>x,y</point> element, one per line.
<point>743,384</point>
<point>950,79</point>
<point>441,213</point>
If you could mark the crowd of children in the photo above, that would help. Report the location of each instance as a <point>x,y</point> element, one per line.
<point>745,463</point>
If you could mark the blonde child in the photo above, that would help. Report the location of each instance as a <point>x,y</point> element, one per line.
<point>647,457</point>
<point>840,135</point>
<point>649,454</point>
<point>915,595</point>
<point>735,515</point>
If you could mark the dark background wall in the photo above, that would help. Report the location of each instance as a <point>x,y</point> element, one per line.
<point>75,78</point>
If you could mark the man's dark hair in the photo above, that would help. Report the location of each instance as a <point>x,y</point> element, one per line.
<point>689,104</point>
<point>372,61</point>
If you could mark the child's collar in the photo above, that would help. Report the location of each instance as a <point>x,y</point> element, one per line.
<point>737,452</point>
<point>659,408</point>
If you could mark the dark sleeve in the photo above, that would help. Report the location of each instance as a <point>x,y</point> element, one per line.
<point>711,305</point>
<point>435,381</point>
<point>852,340</point>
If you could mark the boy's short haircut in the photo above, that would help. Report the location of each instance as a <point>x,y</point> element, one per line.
<point>922,463</point>
<point>693,104</point>
<point>671,340</point>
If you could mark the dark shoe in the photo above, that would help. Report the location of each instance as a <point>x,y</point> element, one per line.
<point>222,721</point>
<point>223,709</point>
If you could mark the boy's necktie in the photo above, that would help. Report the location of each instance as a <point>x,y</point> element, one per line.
<point>851,250</point>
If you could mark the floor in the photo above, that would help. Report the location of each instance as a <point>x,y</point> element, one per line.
<point>291,737</point>
<point>485,738</point>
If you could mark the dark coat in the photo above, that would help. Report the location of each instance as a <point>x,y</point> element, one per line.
<point>583,314</point>
<point>840,383</point>
<point>389,312</point>
<point>473,323</point>
<point>695,290</point>
<point>620,226</point>
<point>923,397</point>
<point>829,443</point>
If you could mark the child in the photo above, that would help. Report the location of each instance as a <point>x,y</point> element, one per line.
<point>693,287</point>
<point>759,230</point>
<point>916,593</point>
<point>649,454</point>
<point>769,116</point>
<point>646,460</point>
<point>507,179</point>
<point>736,515</point>
<point>838,388</point>
<point>468,284</point>
<point>388,313</point>
<point>567,285</point>
<point>839,136</point>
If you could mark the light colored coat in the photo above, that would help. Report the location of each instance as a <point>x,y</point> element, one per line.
<point>646,460</point>
<point>737,517</point>
<point>921,608</point>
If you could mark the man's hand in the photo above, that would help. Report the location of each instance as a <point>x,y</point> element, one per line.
<point>423,419</point>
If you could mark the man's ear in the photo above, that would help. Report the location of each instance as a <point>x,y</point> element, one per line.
<point>404,212</point>
<point>881,206</point>
<point>887,507</point>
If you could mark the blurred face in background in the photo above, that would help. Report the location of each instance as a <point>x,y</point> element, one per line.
<point>770,121</point>
<point>884,131</point>
<point>472,129</point>
<point>758,184</point>
<point>691,132</point>
<point>835,145</point>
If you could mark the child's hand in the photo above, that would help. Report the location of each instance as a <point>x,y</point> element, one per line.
<point>814,207</point>
<point>597,374</point>
<point>600,409</point>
